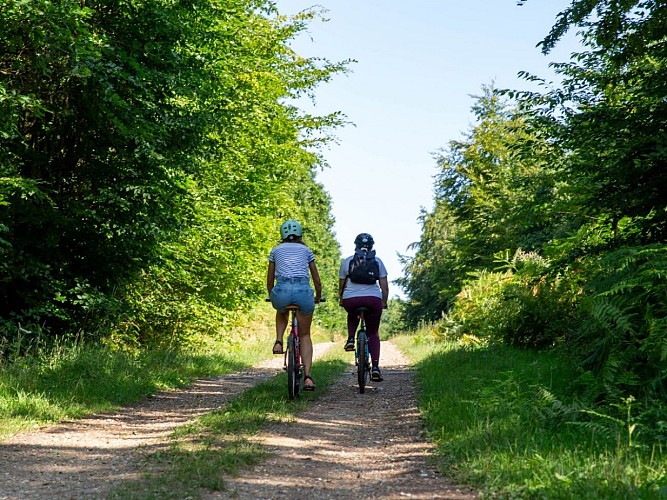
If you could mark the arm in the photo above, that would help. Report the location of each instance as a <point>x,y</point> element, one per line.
<point>316,280</point>
<point>341,288</point>
<point>270,277</point>
<point>384,286</point>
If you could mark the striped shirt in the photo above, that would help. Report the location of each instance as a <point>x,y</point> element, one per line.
<point>291,260</point>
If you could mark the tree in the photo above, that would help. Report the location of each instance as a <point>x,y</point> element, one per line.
<point>610,113</point>
<point>147,151</point>
<point>496,190</point>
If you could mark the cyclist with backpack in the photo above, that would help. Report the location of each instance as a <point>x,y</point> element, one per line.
<point>363,283</point>
<point>291,264</point>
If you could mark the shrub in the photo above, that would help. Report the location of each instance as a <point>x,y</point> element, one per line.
<point>519,304</point>
<point>623,333</point>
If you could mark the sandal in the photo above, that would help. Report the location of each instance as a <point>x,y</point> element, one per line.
<point>308,387</point>
<point>279,345</point>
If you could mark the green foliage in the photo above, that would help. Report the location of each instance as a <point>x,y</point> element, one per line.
<point>573,175</point>
<point>148,155</point>
<point>432,275</point>
<point>517,305</point>
<point>509,421</point>
<point>623,335</point>
<point>497,189</point>
<point>609,112</point>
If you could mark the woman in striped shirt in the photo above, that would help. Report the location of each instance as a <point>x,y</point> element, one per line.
<point>288,283</point>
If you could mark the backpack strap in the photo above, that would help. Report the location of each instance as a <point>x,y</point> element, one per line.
<point>342,289</point>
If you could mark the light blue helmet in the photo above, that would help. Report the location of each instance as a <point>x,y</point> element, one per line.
<point>290,228</point>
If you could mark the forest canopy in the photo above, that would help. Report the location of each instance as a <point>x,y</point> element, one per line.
<point>550,217</point>
<point>148,154</point>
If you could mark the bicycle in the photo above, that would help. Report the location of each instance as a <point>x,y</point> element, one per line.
<point>292,355</point>
<point>293,365</point>
<point>362,354</point>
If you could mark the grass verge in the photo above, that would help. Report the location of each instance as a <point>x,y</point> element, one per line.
<point>507,421</point>
<point>219,443</point>
<point>75,381</point>
<point>71,381</point>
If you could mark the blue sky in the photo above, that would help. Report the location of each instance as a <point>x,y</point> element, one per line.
<point>410,92</point>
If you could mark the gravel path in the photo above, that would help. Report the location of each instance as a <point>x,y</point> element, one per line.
<point>384,456</point>
<point>351,445</point>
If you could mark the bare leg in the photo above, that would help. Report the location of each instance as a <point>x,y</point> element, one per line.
<point>281,324</point>
<point>306,343</point>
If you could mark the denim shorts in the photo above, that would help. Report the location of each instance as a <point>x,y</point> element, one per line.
<point>293,291</point>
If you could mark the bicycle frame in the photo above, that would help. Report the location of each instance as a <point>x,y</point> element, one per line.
<point>292,360</point>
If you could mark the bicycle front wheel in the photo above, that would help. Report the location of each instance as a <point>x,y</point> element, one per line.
<point>362,362</point>
<point>293,369</point>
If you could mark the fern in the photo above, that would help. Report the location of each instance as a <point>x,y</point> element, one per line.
<point>623,336</point>
<point>623,428</point>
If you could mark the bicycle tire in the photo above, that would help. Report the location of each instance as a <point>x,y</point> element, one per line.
<point>362,353</point>
<point>299,367</point>
<point>293,369</point>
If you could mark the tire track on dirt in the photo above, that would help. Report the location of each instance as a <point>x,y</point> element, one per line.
<point>351,445</point>
<point>87,458</point>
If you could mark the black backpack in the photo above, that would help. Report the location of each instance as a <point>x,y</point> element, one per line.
<point>364,268</point>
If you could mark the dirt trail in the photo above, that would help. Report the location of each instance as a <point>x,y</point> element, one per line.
<point>336,457</point>
<point>351,445</point>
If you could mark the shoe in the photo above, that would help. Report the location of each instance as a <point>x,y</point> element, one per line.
<point>349,345</point>
<point>376,374</point>
<point>310,387</point>
<point>277,347</point>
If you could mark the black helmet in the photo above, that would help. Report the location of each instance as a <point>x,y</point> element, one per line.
<point>364,240</point>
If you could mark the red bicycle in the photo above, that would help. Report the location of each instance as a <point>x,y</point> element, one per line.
<point>292,360</point>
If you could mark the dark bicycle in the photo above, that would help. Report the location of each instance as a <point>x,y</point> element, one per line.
<point>293,364</point>
<point>362,355</point>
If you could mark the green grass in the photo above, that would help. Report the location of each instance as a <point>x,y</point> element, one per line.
<point>506,421</point>
<point>75,381</point>
<point>219,443</point>
<point>72,381</point>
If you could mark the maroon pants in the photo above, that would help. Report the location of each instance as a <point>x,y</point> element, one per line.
<point>372,317</point>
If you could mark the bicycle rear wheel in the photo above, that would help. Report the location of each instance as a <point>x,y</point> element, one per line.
<point>293,369</point>
<point>362,362</point>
